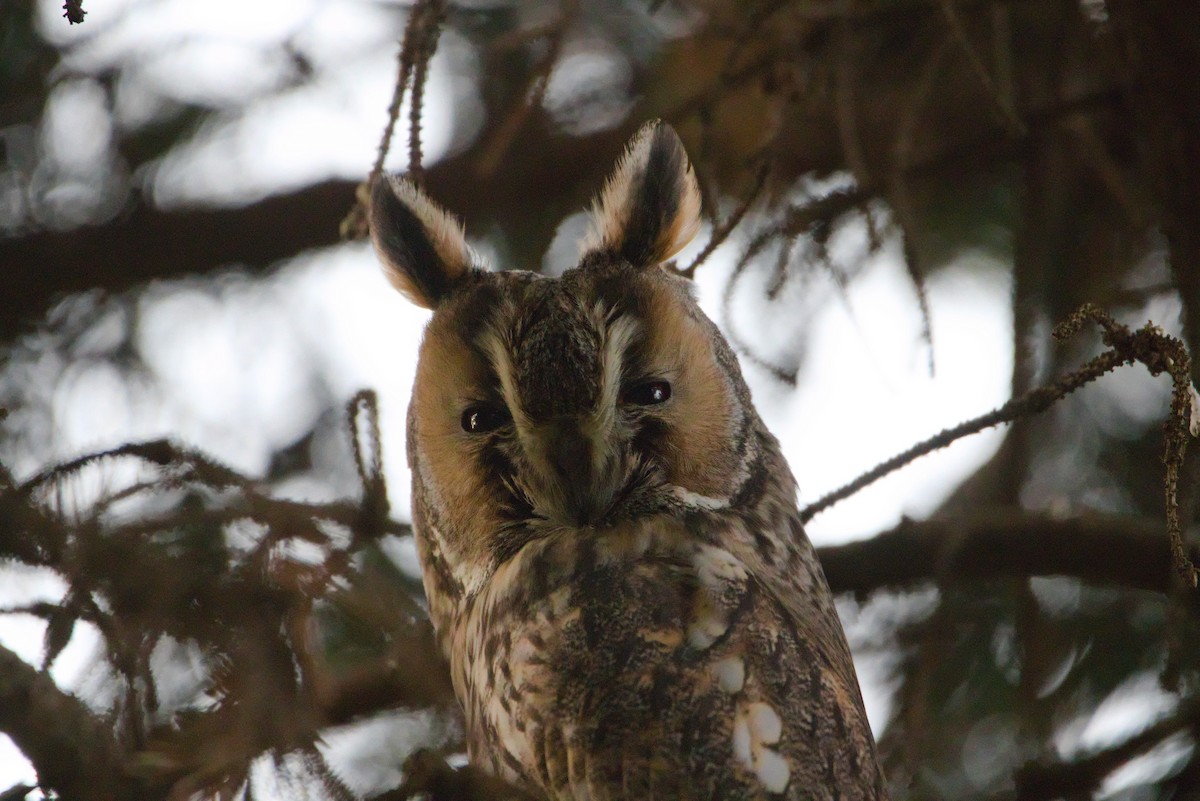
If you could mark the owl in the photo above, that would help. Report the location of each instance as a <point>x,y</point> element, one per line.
<point>615,566</point>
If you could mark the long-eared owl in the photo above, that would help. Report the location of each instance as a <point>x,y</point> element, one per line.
<point>608,534</point>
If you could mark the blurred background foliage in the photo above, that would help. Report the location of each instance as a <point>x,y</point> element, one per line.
<point>255,622</point>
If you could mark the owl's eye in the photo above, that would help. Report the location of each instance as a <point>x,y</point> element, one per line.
<point>484,417</point>
<point>648,393</point>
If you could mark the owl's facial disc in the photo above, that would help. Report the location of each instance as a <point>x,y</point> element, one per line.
<point>563,372</point>
<point>572,403</point>
<point>577,401</point>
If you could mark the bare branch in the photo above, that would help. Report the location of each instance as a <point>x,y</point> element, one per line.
<point>1130,552</point>
<point>1003,105</point>
<point>73,11</point>
<point>529,97</point>
<point>1042,781</point>
<point>147,243</point>
<point>432,14</point>
<point>363,413</point>
<point>1160,353</point>
<point>899,196</point>
<point>421,34</point>
<point>722,233</point>
<point>1148,345</point>
<point>69,748</point>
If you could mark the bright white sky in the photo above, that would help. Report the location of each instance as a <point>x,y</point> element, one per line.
<point>864,395</point>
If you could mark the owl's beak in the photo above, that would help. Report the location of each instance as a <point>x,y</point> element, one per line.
<point>583,475</point>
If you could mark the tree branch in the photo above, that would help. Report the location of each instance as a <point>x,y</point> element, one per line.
<point>1130,552</point>
<point>152,243</point>
<point>70,749</point>
<point>1042,781</point>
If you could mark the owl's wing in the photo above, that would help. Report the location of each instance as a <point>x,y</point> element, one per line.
<point>682,677</point>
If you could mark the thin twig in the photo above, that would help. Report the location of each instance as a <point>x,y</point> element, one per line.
<point>73,11</point>
<point>415,50</point>
<point>1160,353</point>
<point>786,375</point>
<point>783,374</point>
<point>433,15</point>
<point>530,97</point>
<point>797,220</point>
<point>899,196</point>
<point>1148,345</point>
<point>787,252</point>
<point>908,233</point>
<point>1008,114</point>
<point>404,64</point>
<point>845,103</point>
<point>722,233</point>
<point>158,452</point>
<point>363,413</point>
<point>1081,777</point>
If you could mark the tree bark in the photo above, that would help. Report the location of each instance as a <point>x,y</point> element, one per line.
<point>149,243</point>
<point>1123,551</point>
<point>69,747</point>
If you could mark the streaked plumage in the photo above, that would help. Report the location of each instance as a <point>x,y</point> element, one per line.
<point>609,537</point>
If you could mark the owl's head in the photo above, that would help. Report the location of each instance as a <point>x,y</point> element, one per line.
<point>571,402</point>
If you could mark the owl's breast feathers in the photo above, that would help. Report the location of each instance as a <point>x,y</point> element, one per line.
<point>650,662</point>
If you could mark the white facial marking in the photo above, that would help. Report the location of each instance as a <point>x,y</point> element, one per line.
<point>731,674</point>
<point>496,345</point>
<point>598,426</point>
<point>467,574</point>
<point>618,336</point>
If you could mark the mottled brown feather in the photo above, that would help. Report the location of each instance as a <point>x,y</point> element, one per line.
<point>624,590</point>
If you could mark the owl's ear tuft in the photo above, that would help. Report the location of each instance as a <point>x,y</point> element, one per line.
<point>650,207</point>
<point>422,247</point>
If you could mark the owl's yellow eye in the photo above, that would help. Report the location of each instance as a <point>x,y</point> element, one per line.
<point>648,393</point>
<point>484,417</point>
